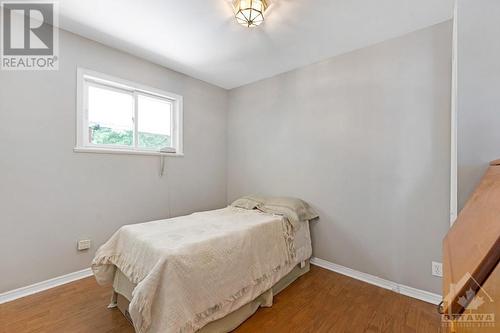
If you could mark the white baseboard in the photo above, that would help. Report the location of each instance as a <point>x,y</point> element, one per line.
<point>44,285</point>
<point>420,294</point>
<point>371,279</point>
<point>379,282</point>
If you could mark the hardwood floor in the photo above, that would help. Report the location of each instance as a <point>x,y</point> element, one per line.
<point>320,301</point>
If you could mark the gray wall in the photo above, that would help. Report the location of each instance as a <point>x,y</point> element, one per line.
<point>478,91</point>
<point>363,137</point>
<point>51,196</point>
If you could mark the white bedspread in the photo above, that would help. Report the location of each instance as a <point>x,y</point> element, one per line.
<point>194,269</point>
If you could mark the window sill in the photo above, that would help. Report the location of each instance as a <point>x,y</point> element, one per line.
<point>118,151</point>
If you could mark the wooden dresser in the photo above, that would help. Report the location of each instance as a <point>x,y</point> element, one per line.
<point>471,252</point>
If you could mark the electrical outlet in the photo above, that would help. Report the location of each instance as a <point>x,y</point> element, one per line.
<point>84,244</point>
<point>437,269</point>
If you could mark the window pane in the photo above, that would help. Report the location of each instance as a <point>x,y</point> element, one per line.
<point>111,117</point>
<point>155,127</point>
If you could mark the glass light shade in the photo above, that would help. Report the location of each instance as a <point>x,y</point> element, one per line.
<point>249,13</point>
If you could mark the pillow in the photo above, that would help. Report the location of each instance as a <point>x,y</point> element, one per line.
<point>248,202</point>
<point>294,209</point>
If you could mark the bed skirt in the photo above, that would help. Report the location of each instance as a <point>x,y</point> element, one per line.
<point>123,289</point>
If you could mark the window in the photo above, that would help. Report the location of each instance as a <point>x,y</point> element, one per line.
<point>117,116</point>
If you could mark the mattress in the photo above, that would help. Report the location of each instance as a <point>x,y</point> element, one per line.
<point>302,243</point>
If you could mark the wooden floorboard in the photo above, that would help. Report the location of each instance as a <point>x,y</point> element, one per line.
<point>320,301</point>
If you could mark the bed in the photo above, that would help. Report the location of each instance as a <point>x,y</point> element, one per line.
<point>209,271</point>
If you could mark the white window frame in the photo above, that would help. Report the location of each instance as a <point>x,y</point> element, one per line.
<point>86,78</point>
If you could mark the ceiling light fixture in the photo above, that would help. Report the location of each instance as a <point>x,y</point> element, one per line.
<point>250,13</point>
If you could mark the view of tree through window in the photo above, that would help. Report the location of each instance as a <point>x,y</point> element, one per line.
<point>154,125</point>
<point>111,119</point>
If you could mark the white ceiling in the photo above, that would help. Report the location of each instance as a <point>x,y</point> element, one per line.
<point>201,38</point>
